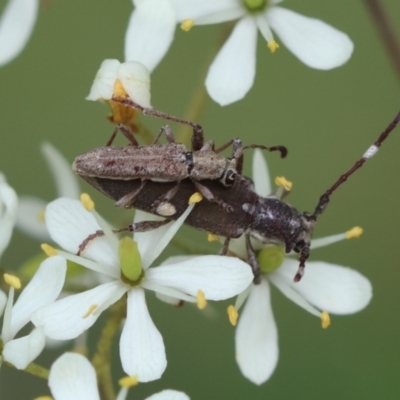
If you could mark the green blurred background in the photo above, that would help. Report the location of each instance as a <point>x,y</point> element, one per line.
<point>326,119</point>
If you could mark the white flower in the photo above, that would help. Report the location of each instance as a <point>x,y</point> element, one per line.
<point>8,212</point>
<point>72,376</point>
<point>150,31</point>
<point>132,77</point>
<point>141,345</point>
<point>43,289</point>
<point>231,75</point>
<point>325,287</point>
<point>30,218</point>
<point>16,26</point>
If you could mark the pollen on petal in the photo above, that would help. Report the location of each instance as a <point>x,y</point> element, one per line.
<point>12,280</point>
<point>49,250</point>
<point>273,46</point>
<point>128,381</point>
<point>211,237</point>
<point>91,310</point>
<point>187,25</point>
<point>195,198</point>
<point>201,300</point>
<point>87,202</point>
<point>281,181</point>
<point>233,314</point>
<point>41,216</point>
<point>354,232</point>
<point>325,319</point>
<point>119,90</point>
<point>43,398</point>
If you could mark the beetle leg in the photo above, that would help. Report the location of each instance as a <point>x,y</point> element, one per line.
<point>252,260</point>
<point>210,197</point>
<point>225,247</point>
<point>166,130</point>
<point>166,197</point>
<point>126,200</point>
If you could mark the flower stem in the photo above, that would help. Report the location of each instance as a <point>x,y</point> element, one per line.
<point>36,370</point>
<point>385,28</point>
<point>102,358</point>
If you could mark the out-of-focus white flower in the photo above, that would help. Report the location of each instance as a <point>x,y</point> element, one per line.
<point>8,212</point>
<point>72,376</point>
<point>231,75</point>
<point>150,31</point>
<point>43,289</point>
<point>118,79</point>
<point>125,265</point>
<point>30,218</point>
<point>16,26</point>
<point>325,288</point>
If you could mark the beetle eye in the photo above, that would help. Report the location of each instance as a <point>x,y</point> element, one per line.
<point>230,177</point>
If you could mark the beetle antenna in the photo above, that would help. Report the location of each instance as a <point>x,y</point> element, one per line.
<point>372,150</point>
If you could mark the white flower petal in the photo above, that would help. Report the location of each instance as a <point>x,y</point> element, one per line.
<point>103,84</point>
<point>218,277</point>
<point>69,317</point>
<point>135,79</point>
<point>150,32</point>
<point>195,9</point>
<point>8,212</point>
<point>69,224</point>
<point>336,289</point>
<point>60,167</point>
<point>3,302</point>
<point>16,26</point>
<point>168,394</point>
<point>20,352</point>
<point>141,345</point>
<point>43,289</point>
<point>73,377</point>
<point>262,181</point>
<point>28,217</point>
<point>313,42</point>
<point>231,74</point>
<point>256,338</point>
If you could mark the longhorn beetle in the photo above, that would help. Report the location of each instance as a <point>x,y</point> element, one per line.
<point>268,220</point>
<point>168,162</point>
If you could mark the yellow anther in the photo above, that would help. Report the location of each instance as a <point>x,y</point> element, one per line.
<point>41,216</point>
<point>201,300</point>
<point>325,319</point>
<point>12,280</point>
<point>119,90</point>
<point>212,238</point>
<point>281,181</point>
<point>273,46</point>
<point>128,381</point>
<point>187,25</point>
<point>233,314</point>
<point>91,310</point>
<point>354,233</point>
<point>195,198</point>
<point>43,398</point>
<point>50,251</point>
<point>87,202</point>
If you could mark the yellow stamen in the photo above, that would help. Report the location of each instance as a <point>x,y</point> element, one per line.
<point>195,198</point>
<point>281,181</point>
<point>187,25</point>
<point>87,202</point>
<point>201,300</point>
<point>13,281</point>
<point>50,251</point>
<point>325,319</point>
<point>354,233</point>
<point>233,314</point>
<point>91,310</point>
<point>43,398</point>
<point>41,216</point>
<point>212,238</point>
<point>119,90</point>
<point>273,46</point>
<point>128,381</point>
